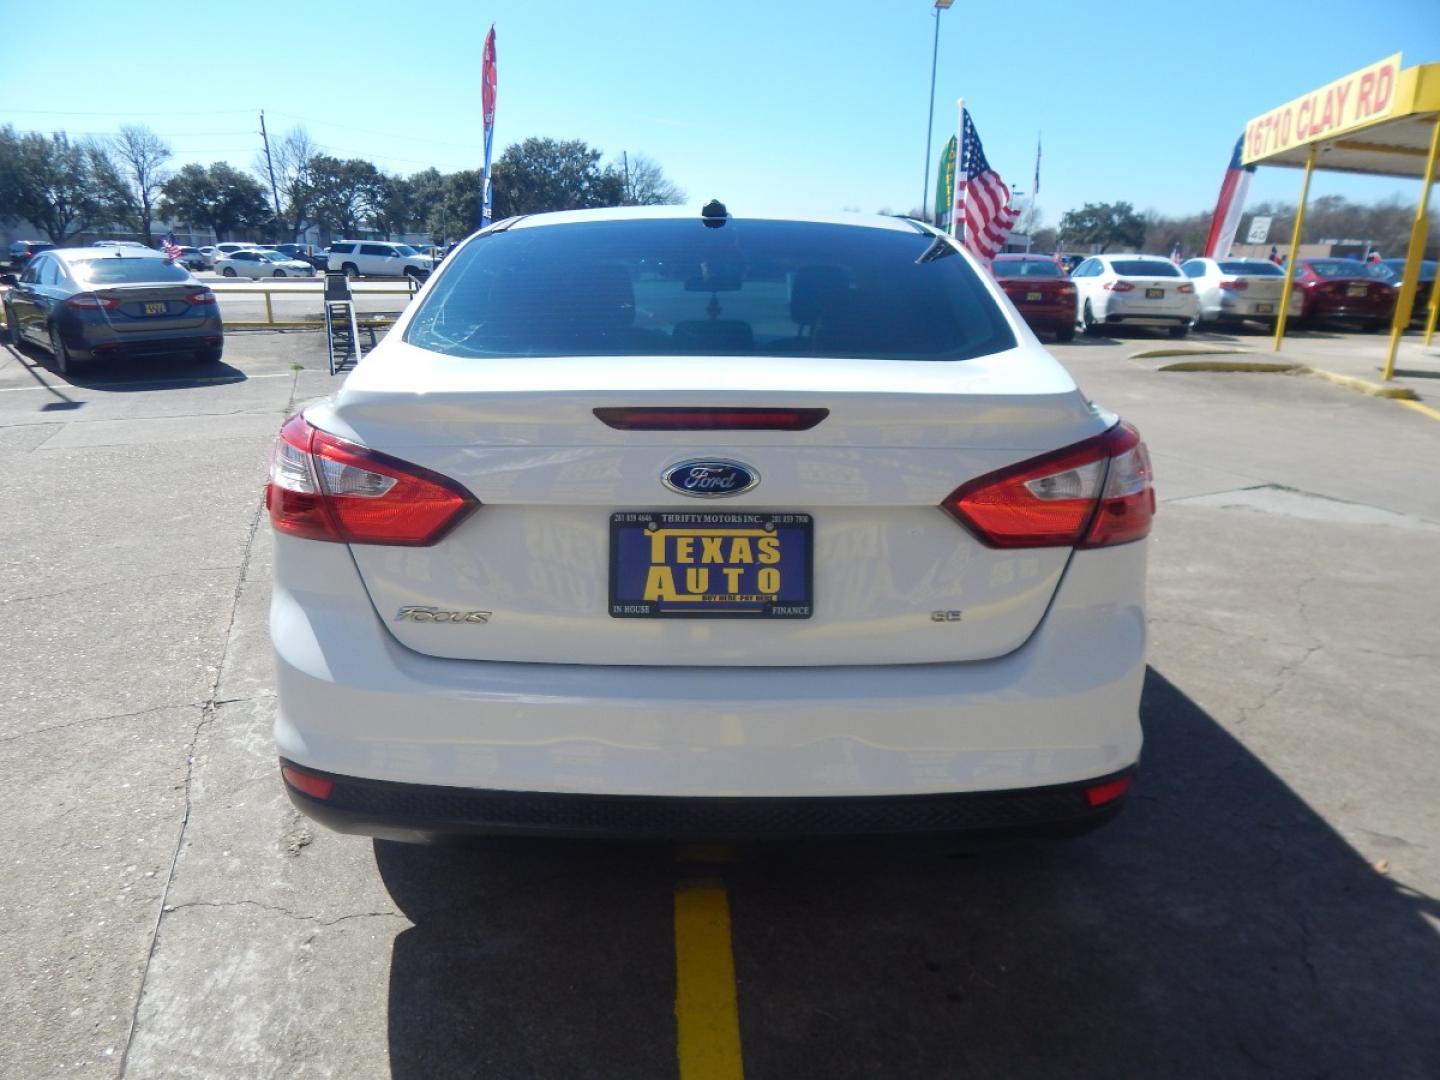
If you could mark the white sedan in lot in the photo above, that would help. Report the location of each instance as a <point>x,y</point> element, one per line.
<point>260,263</point>
<point>1134,290</point>
<point>1229,291</point>
<point>665,522</point>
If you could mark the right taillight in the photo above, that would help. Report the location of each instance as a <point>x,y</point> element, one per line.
<point>1094,494</point>
<point>326,488</point>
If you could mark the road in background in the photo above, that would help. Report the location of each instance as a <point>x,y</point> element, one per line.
<point>1267,904</point>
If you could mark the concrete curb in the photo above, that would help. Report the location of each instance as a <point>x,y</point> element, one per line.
<point>1365,386</point>
<point>1350,382</point>
<point>1188,350</point>
<point>1268,366</point>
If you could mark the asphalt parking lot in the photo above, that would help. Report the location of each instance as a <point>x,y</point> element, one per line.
<point>1267,905</point>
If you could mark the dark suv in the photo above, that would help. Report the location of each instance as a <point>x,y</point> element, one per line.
<point>22,250</point>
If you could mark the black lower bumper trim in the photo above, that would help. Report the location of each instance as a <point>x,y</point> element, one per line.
<point>422,811</point>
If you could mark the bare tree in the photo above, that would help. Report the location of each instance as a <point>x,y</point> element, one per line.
<point>291,154</point>
<point>647,185</point>
<point>139,156</point>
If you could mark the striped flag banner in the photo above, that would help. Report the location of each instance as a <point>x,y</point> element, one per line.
<point>983,215</point>
<point>488,80</point>
<point>171,249</point>
<point>1229,206</point>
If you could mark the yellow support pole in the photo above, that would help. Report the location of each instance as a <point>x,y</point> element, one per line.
<point>1434,310</point>
<point>1419,232</point>
<point>1284,312</point>
<point>269,308</point>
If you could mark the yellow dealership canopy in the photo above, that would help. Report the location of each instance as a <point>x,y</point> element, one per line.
<point>1383,120</point>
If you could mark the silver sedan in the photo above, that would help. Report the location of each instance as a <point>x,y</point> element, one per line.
<point>1233,290</point>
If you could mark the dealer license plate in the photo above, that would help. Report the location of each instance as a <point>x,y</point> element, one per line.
<point>1154,294</point>
<point>1032,296</point>
<point>1356,290</point>
<point>1264,309</point>
<point>710,564</point>
<point>156,308</point>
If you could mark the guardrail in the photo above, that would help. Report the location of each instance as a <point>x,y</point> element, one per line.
<point>304,286</point>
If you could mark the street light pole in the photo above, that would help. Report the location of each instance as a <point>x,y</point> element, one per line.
<point>940,5</point>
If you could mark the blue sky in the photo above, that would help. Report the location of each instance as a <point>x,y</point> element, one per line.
<point>785,104</point>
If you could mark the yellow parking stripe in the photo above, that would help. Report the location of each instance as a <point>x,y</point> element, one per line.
<point>705,1011</point>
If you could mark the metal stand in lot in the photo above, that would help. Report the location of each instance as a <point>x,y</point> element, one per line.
<point>342,331</point>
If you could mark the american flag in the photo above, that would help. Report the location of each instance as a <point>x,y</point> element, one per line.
<point>982,201</point>
<point>172,249</point>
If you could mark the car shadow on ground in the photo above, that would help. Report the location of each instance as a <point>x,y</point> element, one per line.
<point>1219,927</point>
<point>128,374</point>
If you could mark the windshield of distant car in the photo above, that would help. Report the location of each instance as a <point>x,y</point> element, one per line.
<point>1338,268</point>
<point>1145,268</point>
<point>1251,268</point>
<point>114,271</point>
<point>681,288</point>
<point>1008,268</point>
<point>274,256</point>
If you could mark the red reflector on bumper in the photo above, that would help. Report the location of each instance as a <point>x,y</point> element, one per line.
<point>317,787</point>
<point>1109,791</point>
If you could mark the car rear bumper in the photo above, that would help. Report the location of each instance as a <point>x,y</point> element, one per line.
<point>97,341</point>
<point>427,812</point>
<point>1060,709</point>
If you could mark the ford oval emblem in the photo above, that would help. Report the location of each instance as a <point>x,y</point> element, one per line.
<point>707,478</point>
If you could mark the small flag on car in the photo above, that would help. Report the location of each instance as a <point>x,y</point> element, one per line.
<point>172,249</point>
<point>983,214</point>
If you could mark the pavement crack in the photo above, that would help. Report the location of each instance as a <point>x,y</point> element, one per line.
<point>1286,671</point>
<point>208,712</point>
<point>277,909</point>
<point>96,719</point>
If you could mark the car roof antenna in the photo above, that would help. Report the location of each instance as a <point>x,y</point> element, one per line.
<point>714,214</point>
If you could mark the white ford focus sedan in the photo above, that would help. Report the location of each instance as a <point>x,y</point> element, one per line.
<point>667,522</point>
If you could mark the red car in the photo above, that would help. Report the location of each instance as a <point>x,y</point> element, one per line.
<point>1342,289</point>
<point>1042,292</point>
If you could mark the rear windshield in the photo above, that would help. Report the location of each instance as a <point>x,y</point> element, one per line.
<point>677,287</point>
<point>1008,268</point>
<point>114,271</point>
<point>1338,268</point>
<point>1145,268</point>
<point>1257,268</point>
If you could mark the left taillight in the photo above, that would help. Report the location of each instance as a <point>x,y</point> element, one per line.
<point>1097,493</point>
<point>90,302</point>
<point>325,488</point>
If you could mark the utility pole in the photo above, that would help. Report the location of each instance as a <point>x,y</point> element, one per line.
<point>940,5</point>
<point>625,159</point>
<point>274,192</point>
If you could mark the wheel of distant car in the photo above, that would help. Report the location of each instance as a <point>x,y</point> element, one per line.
<point>1040,290</point>
<point>1134,290</point>
<point>1344,291</point>
<point>101,303</point>
<point>670,522</point>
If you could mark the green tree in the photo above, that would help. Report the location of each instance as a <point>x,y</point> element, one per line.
<point>60,187</point>
<point>426,189</point>
<point>137,156</point>
<point>221,197</point>
<point>343,193</point>
<point>391,207</point>
<point>455,213</point>
<point>1103,224</point>
<point>540,175</point>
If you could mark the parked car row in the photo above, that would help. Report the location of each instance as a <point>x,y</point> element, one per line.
<point>1147,290</point>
